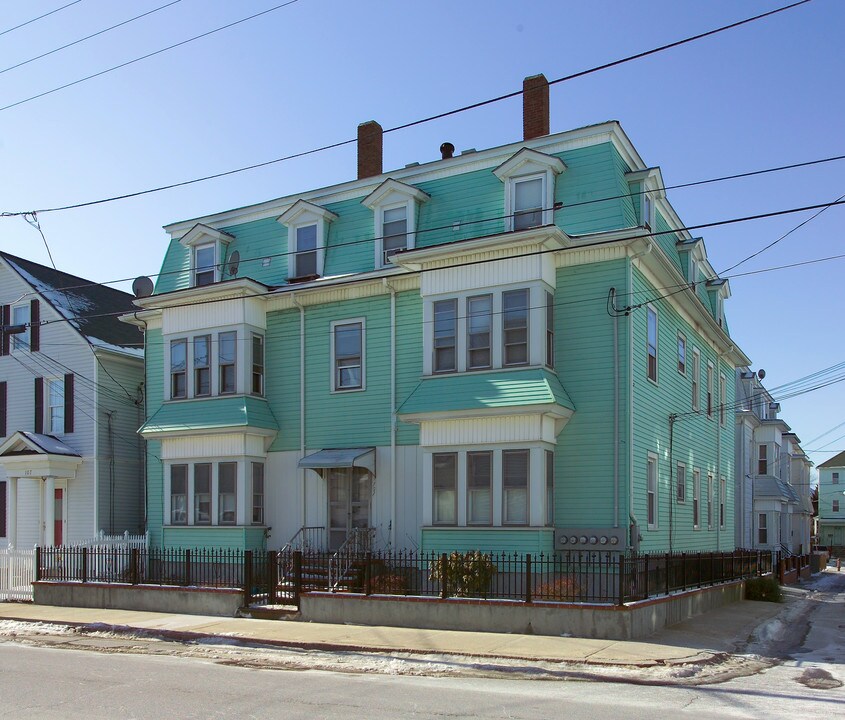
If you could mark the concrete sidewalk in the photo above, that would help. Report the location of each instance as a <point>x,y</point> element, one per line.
<point>699,640</point>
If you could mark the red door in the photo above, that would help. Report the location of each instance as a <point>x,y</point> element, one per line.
<point>58,522</point>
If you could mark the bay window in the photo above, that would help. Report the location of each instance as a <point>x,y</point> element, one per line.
<point>202,365</point>
<point>515,327</point>
<point>479,488</point>
<point>257,364</point>
<point>445,488</point>
<point>257,493</point>
<point>227,483</point>
<point>178,369</point>
<point>515,487</point>
<point>550,488</point>
<point>479,332</point>
<point>227,353</point>
<point>178,494</point>
<point>202,494</point>
<point>445,335</point>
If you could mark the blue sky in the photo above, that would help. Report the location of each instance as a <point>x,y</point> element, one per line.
<point>762,95</point>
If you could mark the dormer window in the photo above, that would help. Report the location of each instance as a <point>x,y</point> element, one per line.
<point>529,178</point>
<point>394,205</point>
<point>648,208</point>
<point>647,185</point>
<point>207,247</point>
<point>205,267</point>
<point>308,229</point>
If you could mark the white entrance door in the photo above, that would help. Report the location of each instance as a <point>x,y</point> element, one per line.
<point>349,503</point>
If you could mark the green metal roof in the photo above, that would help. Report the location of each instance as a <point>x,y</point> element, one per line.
<point>486,391</point>
<point>211,414</point>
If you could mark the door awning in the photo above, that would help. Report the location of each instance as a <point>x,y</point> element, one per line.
<point>341,458</point>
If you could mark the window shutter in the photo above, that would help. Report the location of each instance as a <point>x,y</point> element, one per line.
<point>34,326</point>
<point>5,319</point>
<point>39,405</point>
<point>2,409</point>
<point>69,403</point>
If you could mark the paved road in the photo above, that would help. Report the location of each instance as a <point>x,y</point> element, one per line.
<point>44,682</point>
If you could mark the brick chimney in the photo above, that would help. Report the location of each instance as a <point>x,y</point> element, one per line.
<point>535,107</point>
<point>370,149</point>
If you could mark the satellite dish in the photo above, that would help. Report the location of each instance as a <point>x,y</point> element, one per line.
<point>234,261</point>
<point>761,373</point>
<point>142,287</point>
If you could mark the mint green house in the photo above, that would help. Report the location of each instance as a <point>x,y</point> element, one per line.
<point>832,503</point>
<point>514,349</point>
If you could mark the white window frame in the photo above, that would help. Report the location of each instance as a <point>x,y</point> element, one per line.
<point>762,527</point>
<point>723,501</point>
<point>505,364</point>
<point>196,368</point>
<point>652,492</point>
<point>21,342</point>
<point>392,194</point>
<point>455,305</point>
<point>262,373</point>
<point>220,509</point>
<point>173,373</point>
<point>696,499</point>
<point>259,506</point>
<point>834,478</point>
<point>48,406</point>
<point>298,252</point>
<point>513,213</point>
<point>651,311</point>
<point>550,329</point>
<point>194,519</point>
<point>696,379</point>
<point>171,495</point>
<point>517,523</point>
<point>682,343</point>
<point>762,457</point>
<point>214,268</point>
<point>550,487</point>
<point>681,483</point>
<point>711,514</point>
<point>723,399</point>
<point>711,404</point>
<point>304,214</point>
<point>362,321</point>
<point>529,165</point>
<point>648,205</point>
<point>221,365</point>
<point>434,490</point>
<point>469,334</point>
<point>488,521</point>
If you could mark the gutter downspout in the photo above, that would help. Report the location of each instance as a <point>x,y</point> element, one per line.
<point>634,542</point>
<point>301,471</point>
<point>615,413</point>
<point>392,411</point>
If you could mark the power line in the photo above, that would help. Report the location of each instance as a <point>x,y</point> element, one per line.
<point>396,128</point>
<point>826,432</point>
<point>152,54</point>
<point>29,22</point>
<point>87,37</point>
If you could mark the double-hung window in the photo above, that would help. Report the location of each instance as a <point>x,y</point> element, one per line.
<point>479,488</point>
<point>348,340</point>
<point>515,327</point>
<point>550,329</point>
<point>681,483</point>
<point>762,529</point>
<point>178,494</point>
<point>227,485</point>
<point>445,488</point>
<point>723,489</point>
<point>257,493</point>
<point>178,369</point>
<point>682,355</point>
<point>227,353</point>
<point>21,316</point>
<point>257,364</point>
<point>479,332</point>
<point>305,260</point>
<point>202,494</point>
<point>527,203</point>
<point>394,231</point>
<point>834,478</point>
<point>56,405</point>
<point>445,335</point>
<point>762,459</point>
<point>710,390</point>
<point>202,365</point>
<point>696,499</point>
<point>652,344</point>
<point>696,379</point>
<point>709,502</point>
<point>515,487</point>
<point>204,265</point>
<point>723,398</point>
<point>550,488</point>
<point>835,507</point>
<point>651,491</point>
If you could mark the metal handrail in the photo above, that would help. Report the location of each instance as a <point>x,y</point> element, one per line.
<point>358,542</point>
<point>308,537</point>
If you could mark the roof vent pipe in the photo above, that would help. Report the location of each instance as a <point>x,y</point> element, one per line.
<point>447,150</point>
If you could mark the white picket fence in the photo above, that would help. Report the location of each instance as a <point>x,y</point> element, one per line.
<point>17,571</point>
<point>17,567</point>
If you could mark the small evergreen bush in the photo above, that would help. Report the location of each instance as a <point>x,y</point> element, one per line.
<point>766,589</point>
<point>466,574</point>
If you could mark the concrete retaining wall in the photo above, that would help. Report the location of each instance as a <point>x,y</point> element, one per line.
<point>629,622</point>
<point>185,601</point>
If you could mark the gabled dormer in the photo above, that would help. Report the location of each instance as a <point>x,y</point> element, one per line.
<point>719,290</point>
<point>529,178</point>
<point>693,258</point>
<point>647,189</point>
<point>308,230</point>
<point>208,250</point>
<point>394,205</point>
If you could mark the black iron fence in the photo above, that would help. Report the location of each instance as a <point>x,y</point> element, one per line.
<point>272,577</point>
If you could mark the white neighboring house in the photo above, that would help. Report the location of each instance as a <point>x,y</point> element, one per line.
<point>773,510</point>
<point>71,383</point>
